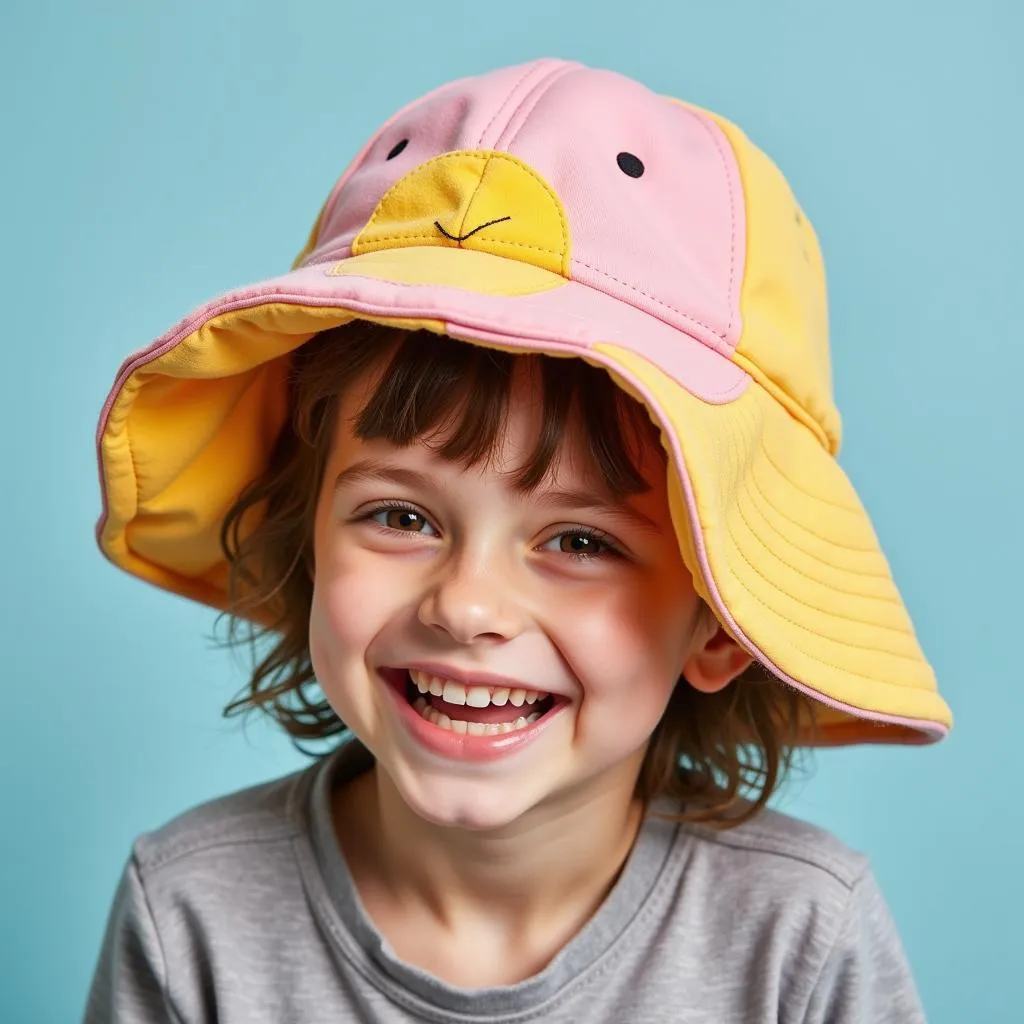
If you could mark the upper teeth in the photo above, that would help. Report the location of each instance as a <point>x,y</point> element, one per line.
<point>474,696</point>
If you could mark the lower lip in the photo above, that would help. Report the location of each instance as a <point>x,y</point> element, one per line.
<point>461,746</point>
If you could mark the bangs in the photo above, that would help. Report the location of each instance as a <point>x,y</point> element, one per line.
<point>454,396</point>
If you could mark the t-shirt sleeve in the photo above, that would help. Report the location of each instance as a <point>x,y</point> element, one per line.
<point>129,983</point>
<point>865,976</point>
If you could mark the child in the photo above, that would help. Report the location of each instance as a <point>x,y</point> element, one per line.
<point>525,480</point>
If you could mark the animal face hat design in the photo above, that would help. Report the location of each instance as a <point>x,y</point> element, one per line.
<point>558,209</point>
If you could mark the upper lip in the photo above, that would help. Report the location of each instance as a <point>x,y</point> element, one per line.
<point>474,677</point>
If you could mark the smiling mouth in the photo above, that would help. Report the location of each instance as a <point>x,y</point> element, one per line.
<point>474,710</point>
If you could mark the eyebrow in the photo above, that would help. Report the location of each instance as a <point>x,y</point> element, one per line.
<point>372,469</point>
<point>576,499</point>
<point>590,501</point>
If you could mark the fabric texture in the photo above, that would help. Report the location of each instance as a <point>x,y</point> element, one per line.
<point>563,210</point>
<point>242,911</point>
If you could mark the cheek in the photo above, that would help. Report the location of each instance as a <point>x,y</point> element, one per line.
<point>353,604</point>
<point>340,621</point>
<point>350,586</point>
<point>627,648</point>
<point>636,628</point>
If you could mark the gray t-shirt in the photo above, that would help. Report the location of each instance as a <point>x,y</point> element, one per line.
<point>242,911</point>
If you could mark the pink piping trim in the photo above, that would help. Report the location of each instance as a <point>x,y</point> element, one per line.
<point>926,731</point>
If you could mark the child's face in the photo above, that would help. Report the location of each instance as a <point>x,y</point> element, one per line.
<point>469,577</point>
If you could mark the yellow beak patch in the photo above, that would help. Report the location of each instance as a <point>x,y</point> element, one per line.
<point>473,199</point>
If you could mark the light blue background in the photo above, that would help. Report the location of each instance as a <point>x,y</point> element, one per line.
<point>155,154</point>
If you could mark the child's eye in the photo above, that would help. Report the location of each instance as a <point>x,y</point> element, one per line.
<point>582,543</point>
<point>401,518</point>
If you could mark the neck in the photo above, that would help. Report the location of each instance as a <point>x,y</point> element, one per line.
<point>550,869</point>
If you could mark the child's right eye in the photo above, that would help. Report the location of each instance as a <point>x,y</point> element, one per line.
<point>401,519</point>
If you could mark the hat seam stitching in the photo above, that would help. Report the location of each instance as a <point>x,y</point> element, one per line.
<point>136,483</point>
<point>377,210</point>
<point>298,297</point>
<point>713,135</point>
<point>359,160</point>
<point>757,646</point>
<point>775,506</point>
<point>476,156</point>
<point>828,614</point>
<point>825,540</point>
<point>329,301</point>
<point>418,238</point>
<point>779,393</point>
<point>531,70</point>
<point>846,704</point>
<point>856,510</point>
<point>667,305</point>
<point>536,94</point>
<point>786,562</point>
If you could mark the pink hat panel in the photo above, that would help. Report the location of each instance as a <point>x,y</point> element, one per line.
<point>460,115</point>
<point>653,197</point>
<point>650,187</point>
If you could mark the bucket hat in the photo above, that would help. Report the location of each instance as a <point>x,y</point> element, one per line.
<point>555,208</point>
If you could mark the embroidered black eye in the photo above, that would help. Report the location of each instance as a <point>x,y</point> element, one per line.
<point>629,164</point>
<point>397,148</point>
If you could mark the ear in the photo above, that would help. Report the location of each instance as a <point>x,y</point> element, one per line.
<point>716,662</point>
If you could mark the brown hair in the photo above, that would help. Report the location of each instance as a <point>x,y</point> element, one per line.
<point>721,755</point>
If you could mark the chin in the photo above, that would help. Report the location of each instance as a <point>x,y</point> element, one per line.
<point>473,806</point>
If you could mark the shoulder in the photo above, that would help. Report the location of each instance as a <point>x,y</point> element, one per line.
<point>794,917</point>
<point>775,873</point>
<point>256,817</point>
<point>201,904</point>
<point>781,845</point>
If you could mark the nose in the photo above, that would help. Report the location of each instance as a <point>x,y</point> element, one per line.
<point>470,603</point>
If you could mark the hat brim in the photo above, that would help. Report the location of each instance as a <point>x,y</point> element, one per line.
<point>769,525</point>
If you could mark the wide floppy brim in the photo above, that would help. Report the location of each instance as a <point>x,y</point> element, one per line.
<point>768,523</point>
